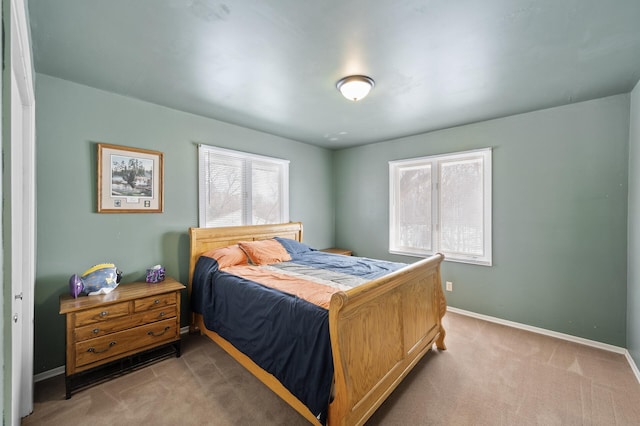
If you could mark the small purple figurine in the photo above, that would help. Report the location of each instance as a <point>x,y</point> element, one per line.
<point>75,286</point>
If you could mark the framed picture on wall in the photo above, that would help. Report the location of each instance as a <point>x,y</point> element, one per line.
<point>130,180</point>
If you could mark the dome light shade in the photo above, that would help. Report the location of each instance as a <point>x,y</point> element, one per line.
<point>355,87</point>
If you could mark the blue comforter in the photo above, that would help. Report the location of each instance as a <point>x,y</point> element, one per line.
<point>283,334</point>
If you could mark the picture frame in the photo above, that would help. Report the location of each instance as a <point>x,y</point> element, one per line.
<point>130,180</point>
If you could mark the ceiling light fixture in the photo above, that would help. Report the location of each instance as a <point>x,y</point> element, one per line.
<point>355,87</point>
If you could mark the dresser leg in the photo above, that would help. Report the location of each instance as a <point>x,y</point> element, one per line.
<point>178,350</point>
<point>67,384</point>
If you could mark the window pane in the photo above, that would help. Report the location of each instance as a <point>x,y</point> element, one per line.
<point>461,207</point>
<point>460,226</point>
<point>238,188</point>
<point>414,208</point>
<point>266,197</point>
<point>225,179</point>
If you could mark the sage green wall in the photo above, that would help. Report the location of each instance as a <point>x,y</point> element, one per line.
<point>559,215</point>
<point>70,119</point>
<point>633,284</point>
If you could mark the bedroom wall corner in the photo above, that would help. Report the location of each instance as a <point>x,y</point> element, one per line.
<point>633,239</point>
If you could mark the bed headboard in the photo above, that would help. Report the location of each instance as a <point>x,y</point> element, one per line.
<point>205,239</point>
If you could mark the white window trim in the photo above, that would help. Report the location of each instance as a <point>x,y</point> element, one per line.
<point>202,204</point>
<point>436,161</point>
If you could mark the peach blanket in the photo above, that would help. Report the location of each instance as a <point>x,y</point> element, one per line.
<point>318,294</point>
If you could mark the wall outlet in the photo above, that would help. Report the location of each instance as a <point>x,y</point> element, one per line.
<point>449,286</point>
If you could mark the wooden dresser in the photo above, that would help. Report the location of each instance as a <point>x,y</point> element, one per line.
<point>110,334</point>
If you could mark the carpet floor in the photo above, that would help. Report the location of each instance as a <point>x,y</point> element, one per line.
<point>490,375</point>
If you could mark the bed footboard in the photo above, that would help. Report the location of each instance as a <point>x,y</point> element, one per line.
<point>379,331</point>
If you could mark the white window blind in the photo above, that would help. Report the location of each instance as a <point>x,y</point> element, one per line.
<point>237,188</point>
<point>414,207</point>
<point>442,204</point>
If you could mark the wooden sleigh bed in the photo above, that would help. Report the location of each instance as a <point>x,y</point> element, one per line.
<point>378,331</point>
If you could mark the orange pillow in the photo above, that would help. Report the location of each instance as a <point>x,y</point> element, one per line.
<point>263,252</point>
<point>227,256</point>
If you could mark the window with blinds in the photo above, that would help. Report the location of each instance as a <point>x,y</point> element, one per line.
<point>237,188</point>
<point>442,204</point>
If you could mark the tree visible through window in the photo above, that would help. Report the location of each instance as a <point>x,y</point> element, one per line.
<point>442,204</point>
<point>238,188</point>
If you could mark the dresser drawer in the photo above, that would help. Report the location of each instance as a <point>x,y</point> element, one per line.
<point>100,314</point>
<point>153,302</point>
<point>118,324</point>
<point>126,341</point>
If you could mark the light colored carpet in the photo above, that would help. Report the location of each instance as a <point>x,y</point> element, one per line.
<point>490,375</point>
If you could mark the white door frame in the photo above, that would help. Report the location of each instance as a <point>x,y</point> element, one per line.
<point>23,199</point>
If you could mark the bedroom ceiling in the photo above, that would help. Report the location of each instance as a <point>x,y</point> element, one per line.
<point>273,65</point>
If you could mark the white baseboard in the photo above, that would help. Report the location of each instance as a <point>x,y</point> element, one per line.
<point>48,374</point>
<point>633,365</point>
<point>568,337</point>
<point>60,370</point>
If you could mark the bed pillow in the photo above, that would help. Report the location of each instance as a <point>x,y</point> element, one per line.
<point>228,256</point>
<point>263,252</point>
<point>294,247</point>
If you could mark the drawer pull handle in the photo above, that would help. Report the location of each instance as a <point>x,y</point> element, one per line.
<point>155,302</point>
<point>104,350</point>
<point>104,313</point>
<point>162,314</point>
<point>96,330</point>
<point>151,333</point>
